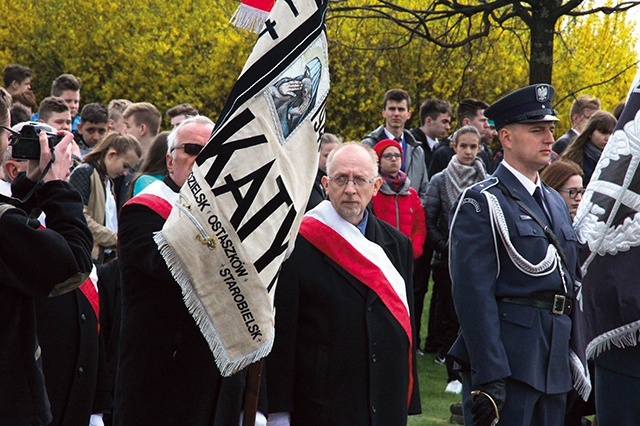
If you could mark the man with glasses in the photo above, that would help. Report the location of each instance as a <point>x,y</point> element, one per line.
<point>581,110</point>
<point>343,351</point>
<point>166,371</point>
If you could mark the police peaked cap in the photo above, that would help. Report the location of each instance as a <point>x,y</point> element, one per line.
<point>530,104</point>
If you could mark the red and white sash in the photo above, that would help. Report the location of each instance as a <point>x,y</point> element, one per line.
<point>158,197</point>
<point>365,260</point>
<point>89,289</point>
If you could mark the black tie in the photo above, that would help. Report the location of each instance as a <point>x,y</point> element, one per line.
<point>399,140</point>
<point>537,195</point>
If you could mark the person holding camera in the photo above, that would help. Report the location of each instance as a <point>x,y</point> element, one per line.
<point>36,262</point>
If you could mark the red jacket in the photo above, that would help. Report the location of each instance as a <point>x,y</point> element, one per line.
<point>403,211</point>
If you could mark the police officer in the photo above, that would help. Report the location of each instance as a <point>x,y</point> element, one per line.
<point>513,263</point>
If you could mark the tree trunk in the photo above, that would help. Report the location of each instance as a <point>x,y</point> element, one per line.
<point>542,31</point>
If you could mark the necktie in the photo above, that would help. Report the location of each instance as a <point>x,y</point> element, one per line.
<point>537,195</point>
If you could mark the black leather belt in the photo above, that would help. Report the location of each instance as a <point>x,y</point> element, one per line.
<point>557,303</point>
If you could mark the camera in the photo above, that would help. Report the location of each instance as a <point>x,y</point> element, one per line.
<point>25,142</point>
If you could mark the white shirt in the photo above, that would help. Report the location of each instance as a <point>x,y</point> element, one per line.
<point>525,181</point>
<point>431,142</point>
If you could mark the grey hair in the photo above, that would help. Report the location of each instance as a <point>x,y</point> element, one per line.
<point>172,140</point>
<point>350,145</point>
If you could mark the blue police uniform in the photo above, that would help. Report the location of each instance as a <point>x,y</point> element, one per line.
<point>511,289</point>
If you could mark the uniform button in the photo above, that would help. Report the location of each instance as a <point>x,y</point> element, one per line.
<point>504,315</point>
<point>80,371</point>
<point>373,408</point>
<point>535,232</point>
<point>369,308</point>
<point>374,358</point>
<point>83,317</point>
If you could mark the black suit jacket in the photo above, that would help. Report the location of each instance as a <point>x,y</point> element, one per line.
<point>166,371</point>
<point>563,141</point>
<point>339,357</point>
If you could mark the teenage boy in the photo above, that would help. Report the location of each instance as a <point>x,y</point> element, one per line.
<point>93,126</point>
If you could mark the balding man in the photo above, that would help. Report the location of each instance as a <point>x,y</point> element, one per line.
<point>343,350</point>
<point>166,371</point>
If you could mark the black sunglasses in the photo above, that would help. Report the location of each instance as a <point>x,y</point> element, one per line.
<point>189,148</point>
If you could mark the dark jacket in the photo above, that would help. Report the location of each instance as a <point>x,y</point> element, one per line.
<point>588,167</point>
<point>339,357</point>
<point>35,263</point>
<point>499,339</point>
<point>420,136</point>
<point>73,358</point>
<point>563,141</point>
<point>441,157</point>
<point>413,164</point>
<point>317,191</point>
<point>110,284</point>
<point>438,221</point>
<point>166,371</point>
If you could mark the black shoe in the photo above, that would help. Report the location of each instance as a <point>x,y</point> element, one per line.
<point>456,408</point>
<point>456,420</point>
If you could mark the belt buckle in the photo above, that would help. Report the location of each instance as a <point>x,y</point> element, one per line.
<point>559,302</point>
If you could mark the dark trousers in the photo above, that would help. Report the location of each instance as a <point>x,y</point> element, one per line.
<point>524,405</point>
<point>421,272</point>
<point>578,407</point>
<point>447,320</point>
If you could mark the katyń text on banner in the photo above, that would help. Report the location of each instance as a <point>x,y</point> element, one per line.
<point>608,225</point>
<point>240,209</point>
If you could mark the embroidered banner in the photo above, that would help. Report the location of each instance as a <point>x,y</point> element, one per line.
<point>608,225</point>
<point>240,209</point>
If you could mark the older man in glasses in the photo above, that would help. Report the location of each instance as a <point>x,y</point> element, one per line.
<point>166,371</point>
<point>343,350</point>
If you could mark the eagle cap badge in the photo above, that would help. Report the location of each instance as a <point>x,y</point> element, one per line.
<point>542,93</point>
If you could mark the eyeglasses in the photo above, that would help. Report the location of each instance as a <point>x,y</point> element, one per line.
<point>573,192</point>
<point>392,156</point>
<point>359,182</point>
<point>189,148</point>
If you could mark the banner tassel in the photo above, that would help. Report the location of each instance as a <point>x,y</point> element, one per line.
<point>227,366</point>
<point>581,376</point>
<point>251,15</point>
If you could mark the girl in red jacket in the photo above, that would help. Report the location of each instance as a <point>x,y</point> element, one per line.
<point>396,202</point>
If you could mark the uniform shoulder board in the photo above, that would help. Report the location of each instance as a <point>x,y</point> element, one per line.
<point>486,184</point>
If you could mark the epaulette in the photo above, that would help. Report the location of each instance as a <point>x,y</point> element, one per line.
<point>490,182</point>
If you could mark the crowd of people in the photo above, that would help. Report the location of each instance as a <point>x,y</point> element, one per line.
<point>484,212</point>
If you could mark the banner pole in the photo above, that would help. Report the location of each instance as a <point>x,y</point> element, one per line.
<point>252,392</point>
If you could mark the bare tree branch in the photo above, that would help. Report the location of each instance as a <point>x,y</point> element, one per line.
<point>466,22</point>
<point>574,93</point>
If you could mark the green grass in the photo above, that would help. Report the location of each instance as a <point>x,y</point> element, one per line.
<point>433,380</point>
<point>435,402</point>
